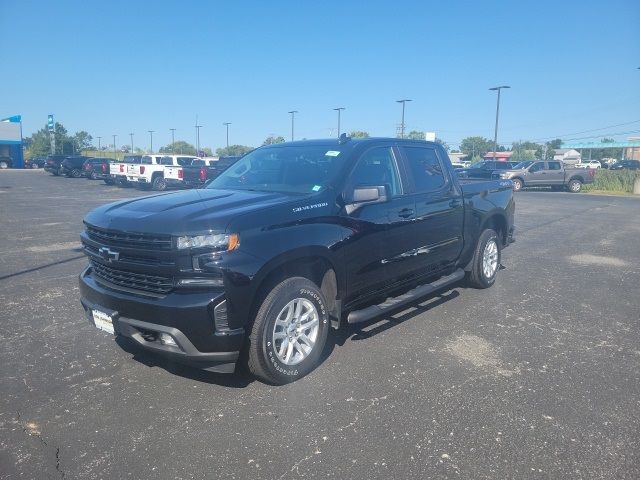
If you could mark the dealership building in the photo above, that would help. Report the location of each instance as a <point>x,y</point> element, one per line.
<point>11,140</point>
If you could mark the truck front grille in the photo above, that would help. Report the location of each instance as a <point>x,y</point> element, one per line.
<point>131,240</point>
<point>132,280</point>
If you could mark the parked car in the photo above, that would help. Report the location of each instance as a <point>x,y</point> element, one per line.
<point>291,240</point>
<point>72,166</point>
<point>545,174</point>
<point>35,162</point>
<point>5,162</point>
<point>118,171</point>
<point>97,168</point>
<point>202,171</point>
<point>53,164</point>
<point>626,165</point>
<point>589,164</point>
<point>484,169</point>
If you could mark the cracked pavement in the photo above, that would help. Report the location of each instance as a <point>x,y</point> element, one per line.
<point>537,377</point>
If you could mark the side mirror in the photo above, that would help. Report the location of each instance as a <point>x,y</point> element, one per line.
<point>361,196</point>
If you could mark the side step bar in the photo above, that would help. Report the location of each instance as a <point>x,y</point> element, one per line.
<point>411,296</point>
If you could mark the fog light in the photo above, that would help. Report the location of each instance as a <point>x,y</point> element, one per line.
<point>167,339</point>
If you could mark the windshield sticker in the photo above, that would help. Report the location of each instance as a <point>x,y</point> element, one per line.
<point>316,188</point>
<point>332,153</point>
<point>309,207</point>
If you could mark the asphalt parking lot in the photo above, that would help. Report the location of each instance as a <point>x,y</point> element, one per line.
<point>537,377</point>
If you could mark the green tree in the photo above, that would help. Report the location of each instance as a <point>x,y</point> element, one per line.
<point>359,134</point>
<point>552,146</point>
<point>443,143</point>
<point>180,146</point>
<point>473,146</point>
<point>527,151</point>
<point>415,135</point>
<point>82,141</point>
<point>270,140</point>
<point>476,159</point>
<point>233,150</point>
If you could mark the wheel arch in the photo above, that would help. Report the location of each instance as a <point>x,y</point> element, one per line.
<point>497,222</point>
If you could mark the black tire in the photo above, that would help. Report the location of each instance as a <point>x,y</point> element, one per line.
<point>517,184</point>
<point>108,181</point>
<point>75,173</point>
<point>263,360</point>
<point>94,175</point>
<point>476,277</point>
<point>574,185</point>
<point>158,184</point>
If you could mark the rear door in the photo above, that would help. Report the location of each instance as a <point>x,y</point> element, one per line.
<point>555,173</point>
<point>437,229</point>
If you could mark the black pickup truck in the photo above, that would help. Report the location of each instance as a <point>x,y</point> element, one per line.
<point>73,166</point>
<point>291,240</point>
<point>202,170</point>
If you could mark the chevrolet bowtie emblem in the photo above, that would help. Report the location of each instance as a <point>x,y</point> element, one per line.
<point>108,254</point>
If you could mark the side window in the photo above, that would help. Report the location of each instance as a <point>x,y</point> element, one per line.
<point>502,166</point>
<point>554,166</point>
<point>536,167</point>
<point>425,168</point>
<point>374,168</point>
<point>166,161</point>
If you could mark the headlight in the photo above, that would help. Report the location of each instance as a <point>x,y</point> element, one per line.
<point>216,241</point>
<point>505,175</point>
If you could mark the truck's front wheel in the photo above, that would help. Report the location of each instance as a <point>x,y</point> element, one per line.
<point>486,260</point>
<point>289,332</point>
<point>517,184</point>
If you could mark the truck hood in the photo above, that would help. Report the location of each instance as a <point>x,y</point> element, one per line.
<point>186,212</point>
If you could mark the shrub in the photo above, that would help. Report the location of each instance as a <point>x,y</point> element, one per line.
<point>613,181</point>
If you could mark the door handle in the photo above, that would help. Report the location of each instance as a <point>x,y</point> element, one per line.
<point>405,212</point>
<point>455,203</point>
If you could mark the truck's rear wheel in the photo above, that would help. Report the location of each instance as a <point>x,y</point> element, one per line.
<point>289,332</point>
<point>517,184</point>
<point>486,260</point>
<point>574,185</point>
<point>108,181</point>
<point>159,184</point>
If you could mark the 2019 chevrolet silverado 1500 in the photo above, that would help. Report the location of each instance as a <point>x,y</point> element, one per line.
<point>291,240</point>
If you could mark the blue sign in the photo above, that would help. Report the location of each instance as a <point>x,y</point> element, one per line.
<point>50,123</point>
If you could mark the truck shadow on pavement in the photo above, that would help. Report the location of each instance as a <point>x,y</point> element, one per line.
<point>241,378</point>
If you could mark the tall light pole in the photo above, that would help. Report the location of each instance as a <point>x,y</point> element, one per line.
<point>131,134</point>
<point>151,137</point>
<point>495,132</point>
<point>197,137</point>
<point>226,124</point>
<point>293,114</point>
<point>339,109</point>
<point>173,140</point>
<point>114,147</point>
<point>403,101</point>
<point>99,150</point>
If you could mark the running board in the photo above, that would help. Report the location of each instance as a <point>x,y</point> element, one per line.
<point>409,297</point>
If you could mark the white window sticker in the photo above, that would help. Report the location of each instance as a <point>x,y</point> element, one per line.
<point>332,153</point>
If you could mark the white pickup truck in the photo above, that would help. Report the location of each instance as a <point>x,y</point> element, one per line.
<point>118,170</point>
<point>160,172</point>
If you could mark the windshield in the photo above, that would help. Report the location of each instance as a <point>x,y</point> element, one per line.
<point>521,165</point>
<point>294,169</point>
<point>478,165</point>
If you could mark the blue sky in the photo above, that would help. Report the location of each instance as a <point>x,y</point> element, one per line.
<point>120,66</point>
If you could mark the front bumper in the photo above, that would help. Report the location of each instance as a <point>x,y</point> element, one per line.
<point>187,316</point>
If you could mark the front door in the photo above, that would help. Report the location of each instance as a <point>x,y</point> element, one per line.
<point>381,231</point>
<point>537,174</point>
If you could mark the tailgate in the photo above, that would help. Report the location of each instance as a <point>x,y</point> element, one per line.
<point>173,173</point>
<point>118,169</point>
<point>133,169</point>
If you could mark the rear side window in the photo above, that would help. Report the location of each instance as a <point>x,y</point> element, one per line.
<point>554,166</point>
<point>197,163</point>
<point>166,161</point>
<point>536,167</point>
<point>425,168</point>
<point>503,166</point>
<point>184,161</point>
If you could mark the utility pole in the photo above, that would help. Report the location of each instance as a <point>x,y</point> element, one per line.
<point>131,134</point>
<point>114,147</point>
<point>151,135</point>
<point>403,102</point>
<point>99,149</point>
<point>339,109</point>
<point>227,125</point>
<point>173,140</point>
<point>495,132</point>
<point>293,114</point>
